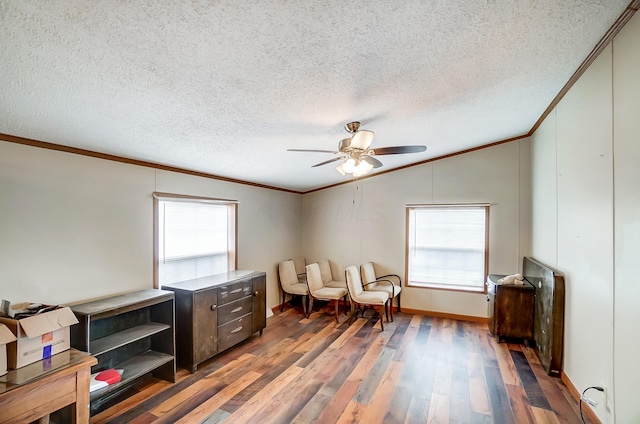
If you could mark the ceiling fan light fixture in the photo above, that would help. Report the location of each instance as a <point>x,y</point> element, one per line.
<point>357,159</point>
<point>362,139</point>
<point>362,168</point>
<point>349,165</point>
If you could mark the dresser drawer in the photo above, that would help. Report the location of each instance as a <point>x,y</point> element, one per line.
<point>234,332</point>
<point>230,292</point>
<point>233,310</point>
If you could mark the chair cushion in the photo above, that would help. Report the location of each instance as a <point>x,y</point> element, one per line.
<point>392,291</point>
<point>372,298</point>
<point>330,293</point>
<point>299,262</point>
<point>298,288</point>
<point>336,284</point>
<point>368,273</point>
<point>325,271</point>
<point>354,284</point>
<point>314,280</point>
<point>287,274</point>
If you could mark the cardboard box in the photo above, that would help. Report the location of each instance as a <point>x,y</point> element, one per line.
<point>6,336</point>
<point>39,336</point>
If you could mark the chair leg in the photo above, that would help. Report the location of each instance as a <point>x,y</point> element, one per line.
<point>304,306</point>
<point>391,309</point>
<point>358,307</point>
<point>399,294</point>
<point>353,309</point>
<point>381,318</point>
<point>337,310</point>
<point>310,306</point>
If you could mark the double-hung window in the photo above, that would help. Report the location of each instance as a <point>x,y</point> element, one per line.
<point>447,246</point>
<point>194,237</point>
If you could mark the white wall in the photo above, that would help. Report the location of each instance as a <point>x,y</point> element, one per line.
<point>585,207</point>
<point>626,149</point>
<point>75,227</point>
<point>365,220</point>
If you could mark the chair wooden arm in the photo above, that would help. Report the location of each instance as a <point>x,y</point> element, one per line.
<point>383,277</point>
<point>391,282</point>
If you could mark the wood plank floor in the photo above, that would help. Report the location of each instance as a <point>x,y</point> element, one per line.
<point>419,369</point>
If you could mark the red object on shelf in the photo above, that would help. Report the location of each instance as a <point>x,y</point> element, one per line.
<point>109,376</point>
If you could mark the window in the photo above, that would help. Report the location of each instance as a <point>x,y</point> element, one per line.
<point>447,246</point>
<point>193,237</point>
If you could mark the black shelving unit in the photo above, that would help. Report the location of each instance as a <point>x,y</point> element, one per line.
<point>134,332</point>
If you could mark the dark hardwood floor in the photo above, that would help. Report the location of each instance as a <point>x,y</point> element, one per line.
<point>419,369</point>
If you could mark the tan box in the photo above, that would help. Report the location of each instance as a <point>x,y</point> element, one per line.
<point>38,336</point>
<point>6,336</point>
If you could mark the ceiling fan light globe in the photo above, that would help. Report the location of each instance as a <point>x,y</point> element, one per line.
<point>349,166</point>
<point>362,139</point>
<point>363,168</point>
<point>340,168</point>
<point>366,166</point>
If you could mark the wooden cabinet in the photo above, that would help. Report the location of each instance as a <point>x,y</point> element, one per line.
<point>133,332</point>
<point>216,312</point>
<point>510,309</point>
<point>33,392</point>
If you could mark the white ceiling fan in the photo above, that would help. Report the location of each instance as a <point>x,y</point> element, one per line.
<point>356,153</point>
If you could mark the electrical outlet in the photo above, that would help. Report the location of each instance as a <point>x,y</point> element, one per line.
<point>606,396</point>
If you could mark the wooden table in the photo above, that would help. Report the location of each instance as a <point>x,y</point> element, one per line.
<point>33,392</point>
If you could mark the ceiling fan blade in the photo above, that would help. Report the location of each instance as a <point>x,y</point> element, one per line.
<point>326,162</point>
<point>396,150</point>
<point>362,139</point>
<point>373,161</point>
<point>307,150</point>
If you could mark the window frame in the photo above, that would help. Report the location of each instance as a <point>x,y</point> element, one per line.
<point>232,227</point>
<point>434,286</point>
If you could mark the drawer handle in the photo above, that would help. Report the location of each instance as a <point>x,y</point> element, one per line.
<point>256,293</point>
<point>236,291</point>
<point>213,307</point>
<point>235,330</point>
<point>238,309</point>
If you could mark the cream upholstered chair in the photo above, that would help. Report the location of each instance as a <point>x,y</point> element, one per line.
<point>385,283</point>
<point>318,291</point>
<point>359,296</point>
<point>327,277</point>
<point>291,285</point>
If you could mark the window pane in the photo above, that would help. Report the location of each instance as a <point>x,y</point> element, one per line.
<point>192,240</point>
<point>447,247</point>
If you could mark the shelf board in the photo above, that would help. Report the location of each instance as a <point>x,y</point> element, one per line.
<point>121,338</point>
<point>116,305</point>
<point>135,367</point>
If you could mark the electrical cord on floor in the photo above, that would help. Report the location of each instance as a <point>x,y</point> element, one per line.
<point>589,401</point>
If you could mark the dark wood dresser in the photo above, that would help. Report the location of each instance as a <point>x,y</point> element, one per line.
<point>510,309</point>
<point>216,312</point>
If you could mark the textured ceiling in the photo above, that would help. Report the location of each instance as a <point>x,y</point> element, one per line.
<point>226,87</point>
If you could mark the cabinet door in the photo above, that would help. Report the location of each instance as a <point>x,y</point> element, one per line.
<point>205,340</point>
<point>259,303</point>
<point>514,312</point>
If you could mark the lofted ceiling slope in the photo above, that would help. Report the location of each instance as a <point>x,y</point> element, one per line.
<point>226,87</point>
